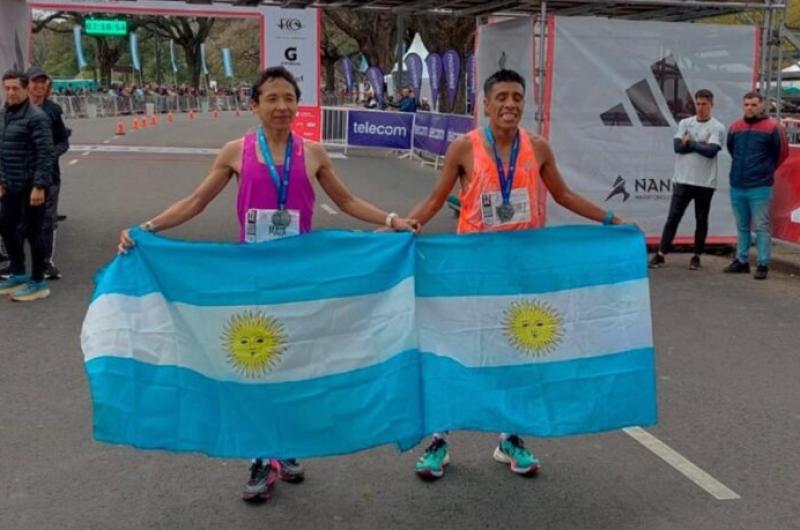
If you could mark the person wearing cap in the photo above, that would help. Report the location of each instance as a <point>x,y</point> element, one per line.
<point>26,160</point>
<point>38,93</point>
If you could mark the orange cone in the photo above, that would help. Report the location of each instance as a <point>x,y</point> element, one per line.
<point>191,114</point>
<point>237,112</point>
<point>154,120</point>
<point>120,128</point>
<point>135,124</point>
<point>216,114</point>
<point>170,117</point>
<point>142,122</point>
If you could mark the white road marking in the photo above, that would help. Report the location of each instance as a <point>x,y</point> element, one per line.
<point>711,485</point>
<point>145,149</point>
<point>337,155</point>
<point>85,153</point>
<point>328,209</point>
<point>106,141</point>
<point>73,161</point>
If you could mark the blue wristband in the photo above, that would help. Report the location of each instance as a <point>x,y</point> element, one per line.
<point>608,217</point>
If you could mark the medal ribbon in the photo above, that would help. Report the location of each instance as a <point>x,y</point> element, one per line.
<point>281,182</point>
<point>506,181</point>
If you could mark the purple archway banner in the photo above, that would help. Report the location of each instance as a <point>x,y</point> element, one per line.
<point>414,65</point>
<point>375,77</point>
<point>348,71</point>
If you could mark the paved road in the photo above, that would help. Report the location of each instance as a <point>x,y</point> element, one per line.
<point>728,368</point>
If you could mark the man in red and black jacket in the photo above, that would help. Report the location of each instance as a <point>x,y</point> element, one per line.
<point>758,145</point>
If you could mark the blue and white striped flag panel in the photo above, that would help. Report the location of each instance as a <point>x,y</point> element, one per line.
<point>333,342</point>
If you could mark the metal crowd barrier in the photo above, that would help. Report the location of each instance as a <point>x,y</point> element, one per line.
<point>105,105</point>
<point>334,127</point>
<point>792,126</point>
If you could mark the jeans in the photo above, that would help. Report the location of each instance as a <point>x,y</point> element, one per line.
<point>682,195</point>
<point>19,221</point>
<point>751,208</point>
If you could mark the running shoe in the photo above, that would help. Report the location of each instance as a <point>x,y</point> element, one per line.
<point>433,461</point>
<point>761,272</point>
<point>694,263</point>
<point>288,470</point>
<point>13,282</point>
<point>262,478</point>
<point>30,291</point>
<point>51,272</point>
<point>657,261</point>
<point>737,267</point>
<point>512,451</point>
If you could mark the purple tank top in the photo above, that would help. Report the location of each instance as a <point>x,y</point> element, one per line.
<point>256,189</point>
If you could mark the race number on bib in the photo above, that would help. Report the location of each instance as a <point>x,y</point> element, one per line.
<point>266,225</point>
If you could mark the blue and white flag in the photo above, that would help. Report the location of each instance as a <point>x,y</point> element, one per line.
<point>203,64</point>
<point>333,342</point>
<point>133,44</point>
<point>76,35</point>
<point>172,56</point>
<point>227,62</point>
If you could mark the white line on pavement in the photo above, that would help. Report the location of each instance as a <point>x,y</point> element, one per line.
<point>73,161</point>
<point>337,155</point>
<point>85,153</point>
<point>106,141</point>
<point>328,209</point>
<point>712,486</point>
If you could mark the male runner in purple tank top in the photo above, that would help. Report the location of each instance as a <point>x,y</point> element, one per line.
<point>274,169</point>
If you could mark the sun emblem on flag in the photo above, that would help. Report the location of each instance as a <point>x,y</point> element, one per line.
<point>254,343</point>
<point>533,328</point>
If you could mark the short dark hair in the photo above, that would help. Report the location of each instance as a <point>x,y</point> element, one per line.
<point>16,74</point>
<point>704,93</point>
<point>274,72</point>
<point>502,76</point>
<point>754,95</point>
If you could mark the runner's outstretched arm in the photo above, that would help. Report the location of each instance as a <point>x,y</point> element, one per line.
<point>451,169</point>
<point>349,203</point>
<point>193,204</point>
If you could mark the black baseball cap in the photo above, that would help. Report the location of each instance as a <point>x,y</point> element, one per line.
<point>37,71</point>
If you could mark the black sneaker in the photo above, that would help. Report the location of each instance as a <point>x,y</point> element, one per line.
<point>761,272</point>
<point>5,272</point>
<point>3,257</point>
<point>289,470</point>
<point>694,263</point>
<point>60,217</point>
<point>657,261</point>
<point>51,272</point>
<point>737,267</point>
<point>262,478</point>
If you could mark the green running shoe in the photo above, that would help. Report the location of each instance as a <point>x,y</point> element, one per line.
<point>512,451</point>
<point>13,282</point>
<point>431,464</point>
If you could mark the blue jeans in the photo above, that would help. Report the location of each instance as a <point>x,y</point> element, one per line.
<point>751,208</point>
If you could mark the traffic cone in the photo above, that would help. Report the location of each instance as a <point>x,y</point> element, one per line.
<point>170,117</point>
<point>120,128</point>
<point>143,122</point>
<point>237,112</point>
<point>154,120</point>
<point>135,124</point>
<point>191,114</point>
<point>216,114</point>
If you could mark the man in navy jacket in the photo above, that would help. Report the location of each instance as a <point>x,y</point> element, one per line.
<point>758,145</point>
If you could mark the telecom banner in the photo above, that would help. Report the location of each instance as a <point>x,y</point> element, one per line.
<point>619,90</point>
<point>388,130</point>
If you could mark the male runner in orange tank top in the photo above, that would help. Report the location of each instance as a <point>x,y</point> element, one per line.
<point>501,169</point>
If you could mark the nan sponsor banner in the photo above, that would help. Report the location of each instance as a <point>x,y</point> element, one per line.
<point>308,123</point>
<point>785,208</point>
<point>389,130</point>
<point>635,81</point>
<point>292,41</point>
<point>434,132</point>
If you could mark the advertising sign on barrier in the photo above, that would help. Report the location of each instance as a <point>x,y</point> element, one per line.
<point>422,124</point>
<point>785,208</point>
<point>388,130</point>
<point>308,123</point>
<point>434,132</point>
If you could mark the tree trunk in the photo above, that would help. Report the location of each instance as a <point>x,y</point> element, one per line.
<point>192,52</point>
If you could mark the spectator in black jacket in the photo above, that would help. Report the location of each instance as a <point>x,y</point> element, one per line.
<point>39,90</point>
<point>26,168</point>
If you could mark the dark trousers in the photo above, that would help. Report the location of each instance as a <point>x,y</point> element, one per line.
<point>50,222</point>
<point>682,195</point>
<point>19,221</point>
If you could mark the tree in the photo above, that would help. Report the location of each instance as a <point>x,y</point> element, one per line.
<point>375,33</point>
<point>188,33</point>
<point>334,45</point>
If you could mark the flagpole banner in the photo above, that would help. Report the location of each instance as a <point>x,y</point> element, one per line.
<point>348,72</point>
<point>369,339</point>
<point>14,35</point>
<point>203,64</point>
<point>507,45</point>
<point>76,35</point>
<point>227,62</point>
<point>375,78</point>
<point>434,64</point>
<point>414,66</point>
<point>133,46</point>
<point>172,56</point>
<point>452,71</point>
<point>635,81</point>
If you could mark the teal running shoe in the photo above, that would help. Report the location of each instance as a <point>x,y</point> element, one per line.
<point>30,291</point>
<point>14,282</point>
<point>512,451</point>
<point>431,464</point>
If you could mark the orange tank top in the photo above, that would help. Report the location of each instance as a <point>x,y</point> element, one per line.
<point>480,200</point>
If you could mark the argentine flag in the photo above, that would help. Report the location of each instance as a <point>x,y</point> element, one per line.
<point>333,342</point>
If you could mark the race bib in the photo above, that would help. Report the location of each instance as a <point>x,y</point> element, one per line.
<point>519,200</point>
<point>266,225</point>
